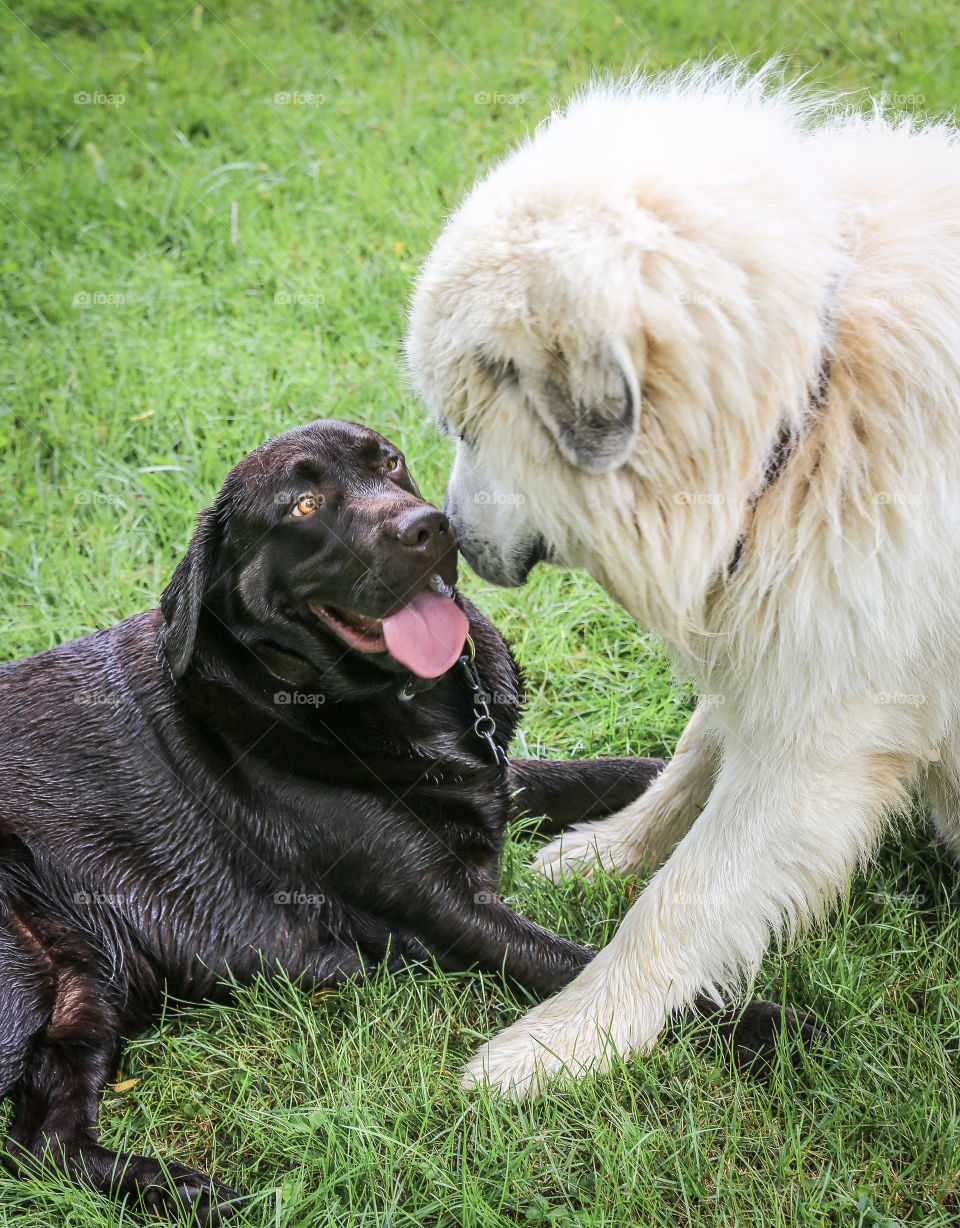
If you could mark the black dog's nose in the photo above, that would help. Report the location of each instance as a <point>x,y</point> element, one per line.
<point>420,525</point>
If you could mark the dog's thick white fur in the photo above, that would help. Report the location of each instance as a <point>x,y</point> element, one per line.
<point>622,324</point>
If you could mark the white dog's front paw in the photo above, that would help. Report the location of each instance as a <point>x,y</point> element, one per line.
<point>589,849</point>
<point>522,1058</point>
<point>547,1042</point>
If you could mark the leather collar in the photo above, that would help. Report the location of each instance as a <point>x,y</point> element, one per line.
<point>781,453</point>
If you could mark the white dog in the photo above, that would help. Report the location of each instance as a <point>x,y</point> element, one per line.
<point>701,337</point>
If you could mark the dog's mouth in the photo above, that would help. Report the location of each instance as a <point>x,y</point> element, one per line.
<point>426,634</point>
<point>358,632</point>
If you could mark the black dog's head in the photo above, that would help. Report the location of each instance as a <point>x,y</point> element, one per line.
<point>321,556</point>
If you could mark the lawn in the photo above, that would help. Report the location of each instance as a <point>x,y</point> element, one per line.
<point>211,217</point>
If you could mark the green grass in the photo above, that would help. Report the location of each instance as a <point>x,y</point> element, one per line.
<point>119,414</point>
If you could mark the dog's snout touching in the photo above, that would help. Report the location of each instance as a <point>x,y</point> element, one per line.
<point>422,525</point>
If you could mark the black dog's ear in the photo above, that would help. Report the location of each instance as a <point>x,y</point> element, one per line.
<point>181,600</point>
<point>591,407</point>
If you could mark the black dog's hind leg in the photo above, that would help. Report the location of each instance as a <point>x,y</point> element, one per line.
<point>27,990</point>
<point>56,1104</point>
<point>567,791</point>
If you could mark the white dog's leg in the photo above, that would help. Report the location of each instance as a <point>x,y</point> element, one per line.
<point>940,792</point>
<point>648,830</point>
<point>776,843</point>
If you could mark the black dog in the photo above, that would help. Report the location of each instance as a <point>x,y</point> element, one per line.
<point>291,764</point>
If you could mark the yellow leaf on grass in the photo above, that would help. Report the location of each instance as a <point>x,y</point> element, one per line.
<point>124,1086</point>
<point>399,246</point>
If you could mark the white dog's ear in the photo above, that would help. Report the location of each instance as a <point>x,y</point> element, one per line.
<point>591,407</point>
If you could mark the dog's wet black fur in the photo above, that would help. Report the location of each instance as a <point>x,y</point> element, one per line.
<point>230,785</point>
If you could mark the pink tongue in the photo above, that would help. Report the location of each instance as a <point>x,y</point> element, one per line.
<point>428,634</point>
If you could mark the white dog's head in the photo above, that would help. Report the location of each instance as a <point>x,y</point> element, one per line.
<point>532,361</point>
<point>583,388</point>
<point>615,325</point>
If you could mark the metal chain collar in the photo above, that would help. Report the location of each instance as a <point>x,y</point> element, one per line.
<point>484,726</point>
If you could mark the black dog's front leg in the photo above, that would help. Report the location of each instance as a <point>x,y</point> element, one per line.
<point>475,928</point>
<point>567,791</point>
<point>463,931</point>
<point>490,935</point>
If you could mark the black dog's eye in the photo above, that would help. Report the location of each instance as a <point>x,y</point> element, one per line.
<point>391,463</point>
<point>305,505</point>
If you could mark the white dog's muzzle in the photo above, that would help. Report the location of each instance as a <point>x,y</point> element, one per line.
<point>491,524</point>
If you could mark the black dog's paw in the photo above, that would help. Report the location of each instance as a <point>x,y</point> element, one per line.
<point>178,1192</point>
<point>756,1032</point>
<point>751,1031</point>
